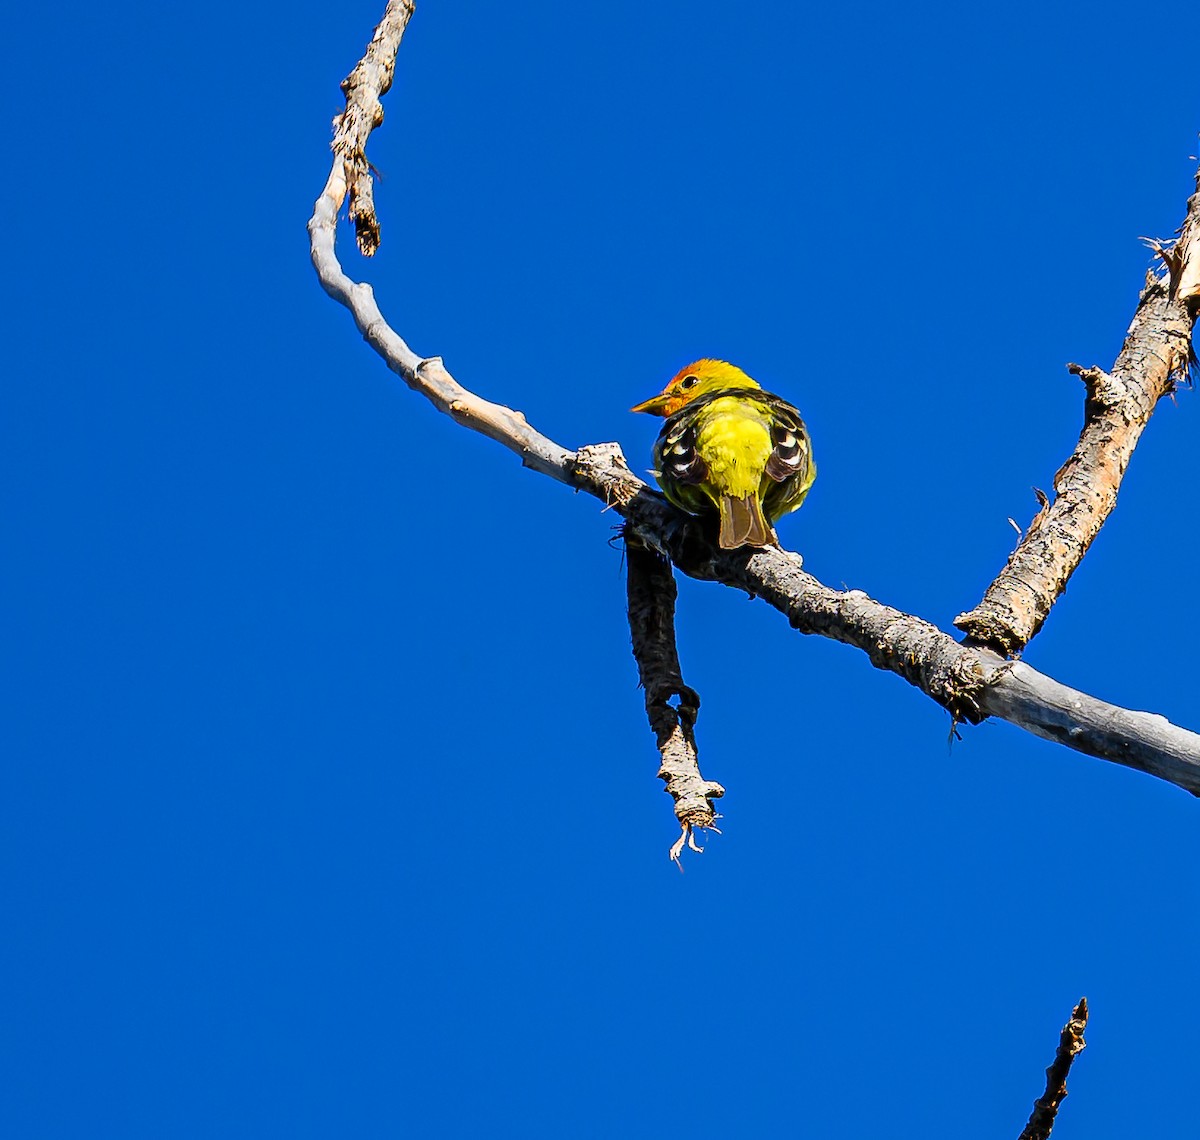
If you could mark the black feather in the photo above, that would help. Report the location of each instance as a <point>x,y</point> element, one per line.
<point>789,442</point>
<point>678,456</point>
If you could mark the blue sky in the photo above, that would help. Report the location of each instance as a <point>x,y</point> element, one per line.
<point>329,807</point>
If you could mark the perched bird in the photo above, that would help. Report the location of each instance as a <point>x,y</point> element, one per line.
<point>728,445</point>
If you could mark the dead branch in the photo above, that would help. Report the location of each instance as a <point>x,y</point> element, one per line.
<point>1117,407</point>
<point>1070,1045</point>
<point>970,681</point>
<point>650,589</point>
<point>364,89</point>
<point>350,167</point>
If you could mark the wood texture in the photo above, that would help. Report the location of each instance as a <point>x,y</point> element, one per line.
<point>1070,1045</point>
<point>1117,407</point>
<point>651,593</point>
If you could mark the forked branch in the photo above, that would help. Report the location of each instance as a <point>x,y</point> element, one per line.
<point>971,681</point>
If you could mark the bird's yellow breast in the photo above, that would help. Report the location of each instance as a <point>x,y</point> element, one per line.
<point>735,444</point>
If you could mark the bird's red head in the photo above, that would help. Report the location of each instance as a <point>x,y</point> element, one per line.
<point>696,379</point>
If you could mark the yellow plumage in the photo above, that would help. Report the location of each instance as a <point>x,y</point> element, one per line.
<point>729,445</point>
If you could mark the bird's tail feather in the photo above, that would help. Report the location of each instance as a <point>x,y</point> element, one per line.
<point>742,522</point>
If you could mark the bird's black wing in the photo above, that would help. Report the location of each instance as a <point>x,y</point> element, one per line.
<point>790,453</point>
<point>678,458</point>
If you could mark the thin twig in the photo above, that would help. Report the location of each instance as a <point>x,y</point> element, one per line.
<point>650,589</point>
<point>1070,1045</point>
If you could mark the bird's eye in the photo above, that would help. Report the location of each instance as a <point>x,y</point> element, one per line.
<point>689,382</point>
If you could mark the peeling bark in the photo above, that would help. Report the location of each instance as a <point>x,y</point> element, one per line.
<point>1117,407</point>
<point>364,89</point>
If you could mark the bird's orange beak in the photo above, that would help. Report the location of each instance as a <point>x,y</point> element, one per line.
<point>655,406</point>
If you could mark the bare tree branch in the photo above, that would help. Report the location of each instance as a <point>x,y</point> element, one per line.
<point>970,681</point>
<point>364,89</point>
<point>1070,1045</point>
<point>1118,406</point>
<point>370,78</point>
<point>651,593</point>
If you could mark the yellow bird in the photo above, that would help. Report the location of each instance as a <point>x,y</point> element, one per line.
<point>728,445</point>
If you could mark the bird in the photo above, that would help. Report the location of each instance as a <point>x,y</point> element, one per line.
<point>729,446</point>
